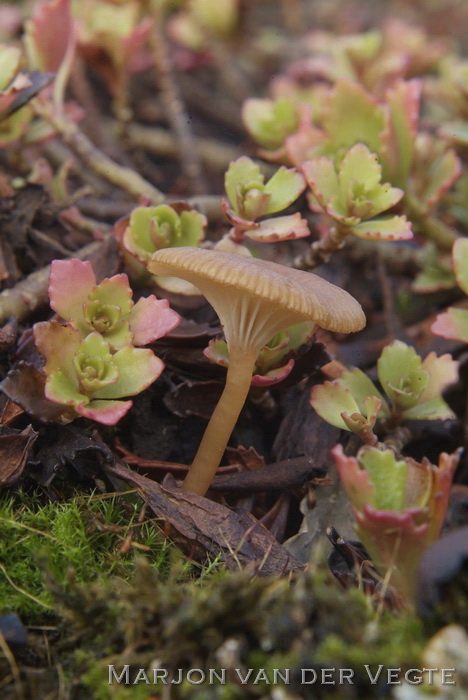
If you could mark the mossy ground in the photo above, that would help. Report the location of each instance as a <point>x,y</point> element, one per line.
<point>93,597</point>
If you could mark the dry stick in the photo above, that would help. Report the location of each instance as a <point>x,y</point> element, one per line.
<point>161,142</point>
<point>118,175</point>
<point>322,250</point>
<point>174,107</point>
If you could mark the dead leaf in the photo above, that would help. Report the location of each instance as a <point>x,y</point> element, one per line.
<point>233,535</point>
<point>14,449</point>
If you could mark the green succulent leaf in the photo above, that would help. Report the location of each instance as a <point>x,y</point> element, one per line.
<point>240,172</point>
<point>270,121</point>
<point>353,116</point>
<point>387,475</point>
<point>359,165</point>
<point>323,180</point>
<point>63,389</point>
<point>286,185</point>
<point>137,369</point>
<point>399,136</point>
<point>361,387</point>
<point>452,324</point>
<point>10,60</point>
<point>280,228</point>
<point>460,263</point>
<point>395,228</point>
<point>192,229</point>
<point>401,374</point>
<point>331,400</point>
<point>443,172</point>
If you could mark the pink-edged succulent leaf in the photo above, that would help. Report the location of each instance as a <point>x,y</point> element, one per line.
<point>50,34</point>
<point>228,245</point>
<point>359,165</point>
<point>361,387</point>
<point>443,173</point>
<point>273,376</point>
<point>70,284</point>
<point>395,228</point>
<point>355,480</point>
<point>353,116</point>
<point>452,324</point>
<point>280,228</point>
<point>331,400</point>
<point>58,344</point>
<point>440,492</point>
<point>217,351</point>
<point>151,319</point>
<point>132,47</point>
<point>460,262</point>
<point>64,390</point>
<point>105,412</point>
<point>442,371</point>
<point>402,115</point>
<point>283,188</point>
<point>269,122</point>
<point>10,61</point>
<point>362,424</point>
<point>399,507</point>
<point>322,179</point>
<point>301,146</point>
<point>137,369</point>
<point>396,543</point>
<point>388,476</point>
<point>115,291</point>
<point>177,286</point>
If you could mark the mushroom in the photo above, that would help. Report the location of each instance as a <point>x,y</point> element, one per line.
<point>254,299</point>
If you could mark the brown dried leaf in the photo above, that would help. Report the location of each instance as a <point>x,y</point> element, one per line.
<point>235,536</point>
<point>25,386</point>
<point>14,448</point>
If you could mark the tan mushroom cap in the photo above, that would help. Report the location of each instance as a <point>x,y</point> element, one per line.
<point>307,296</point>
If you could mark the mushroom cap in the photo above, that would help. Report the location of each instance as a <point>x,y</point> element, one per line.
<point>305,295</point>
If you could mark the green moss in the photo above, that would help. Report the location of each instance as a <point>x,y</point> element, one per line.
<point>86,534</point>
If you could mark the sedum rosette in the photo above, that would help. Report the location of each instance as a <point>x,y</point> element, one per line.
<point>399,505</point>
<point>86,376</point>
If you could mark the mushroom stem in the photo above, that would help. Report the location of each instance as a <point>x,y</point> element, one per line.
<point>222,422</point>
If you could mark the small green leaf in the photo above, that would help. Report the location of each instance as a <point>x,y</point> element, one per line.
<point>353,116</point>
<point>330,400</point>
<point>192,225</point>
<point>241,171</point>
<point>322,179</point>
<point>360,165</point>
<point>114,291</point>
<point>400,372</point>
<point>361,387</point>
<point>399,136</point>
<point>270,121</point>
<point>286,185</point>
<point>137,368</point>
<point>387,475</point>
<point>280,228</point>
<point>460,262</point>
<point>396,228</point>
<point>62,389</point>
<point>452,324</point>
